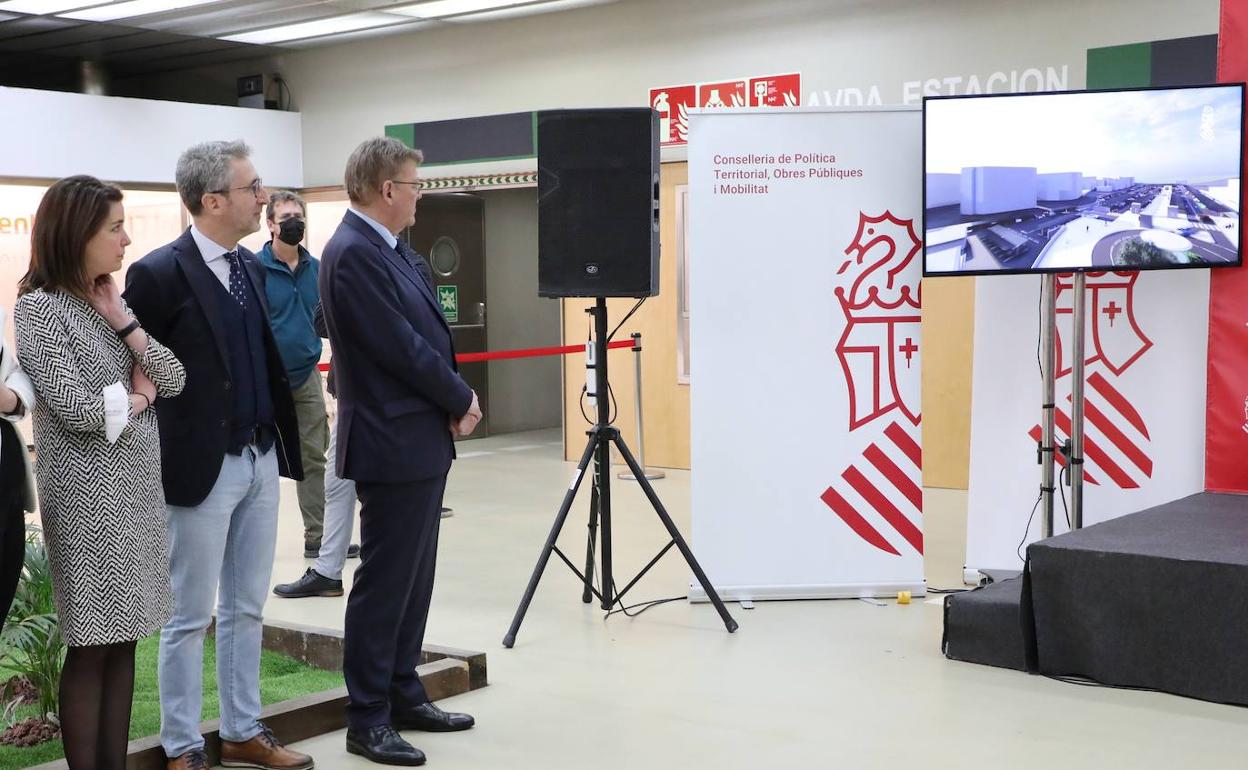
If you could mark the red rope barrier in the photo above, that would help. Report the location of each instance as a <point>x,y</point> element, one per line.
<point>500,355</point>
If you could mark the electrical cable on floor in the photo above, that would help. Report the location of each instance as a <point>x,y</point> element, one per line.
<point>948,590</point>
<point>644,606</point>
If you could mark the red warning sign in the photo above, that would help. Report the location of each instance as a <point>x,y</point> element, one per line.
<point>730,93</point>
<point>776,91</point>
<point>673,104</point>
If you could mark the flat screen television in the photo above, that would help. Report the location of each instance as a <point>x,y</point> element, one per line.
<point>1136,179</point>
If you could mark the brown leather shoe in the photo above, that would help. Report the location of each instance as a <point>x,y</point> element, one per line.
<point>264,752</point>
<point>195,759</point>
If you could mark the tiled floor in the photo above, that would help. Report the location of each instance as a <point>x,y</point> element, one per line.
<point>812,684</point>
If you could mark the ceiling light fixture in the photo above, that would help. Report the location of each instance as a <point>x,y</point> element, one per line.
<point>44,7</point>
<point>437,9</point>
<point>335,25</point>
<point>131,8</point>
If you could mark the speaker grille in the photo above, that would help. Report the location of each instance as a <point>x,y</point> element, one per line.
<point>598,225</point>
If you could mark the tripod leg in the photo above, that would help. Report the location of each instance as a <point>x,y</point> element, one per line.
<point>510,639</point>
<point>603,482</point>
<point>640,474</point>
<point>588,595</point>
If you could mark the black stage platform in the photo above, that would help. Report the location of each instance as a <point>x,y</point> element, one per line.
<point>1157,599</point>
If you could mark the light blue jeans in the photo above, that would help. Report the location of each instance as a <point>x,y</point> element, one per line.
<point>339,510</point>
<point>222,547</point>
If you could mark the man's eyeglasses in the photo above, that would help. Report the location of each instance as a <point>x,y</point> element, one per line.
<point>417,184</point>
<point>256,186</point>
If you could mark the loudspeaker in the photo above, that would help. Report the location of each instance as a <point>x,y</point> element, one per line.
<point>598,203</point>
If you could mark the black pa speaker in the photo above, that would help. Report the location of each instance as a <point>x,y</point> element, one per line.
<point>598,203</point>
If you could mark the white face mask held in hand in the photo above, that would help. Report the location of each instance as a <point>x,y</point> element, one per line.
<point>116,411</point>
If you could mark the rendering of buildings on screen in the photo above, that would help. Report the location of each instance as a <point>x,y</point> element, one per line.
<point>1101,180</point>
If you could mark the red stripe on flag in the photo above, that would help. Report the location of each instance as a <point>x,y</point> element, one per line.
<point>1036,433</point>
<point>884,464</point>
<point>884,507</point>
<point>1227,367</point>
<point>905,443</point>
<point>1118,401</point>
<point>855,521</point>
<point>1094,453</point>
<point>1118,438</point>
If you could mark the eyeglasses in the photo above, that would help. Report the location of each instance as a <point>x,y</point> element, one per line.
<point>256,186</point>
<point>417,184</point>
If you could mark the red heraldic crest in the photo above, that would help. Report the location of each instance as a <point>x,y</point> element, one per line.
<point>881,337</point>
<point>878,351</point>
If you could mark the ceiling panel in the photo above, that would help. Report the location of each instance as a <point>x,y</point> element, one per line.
<point>177,46</point>
<point>32,25</point>
<point>188,37</point>
<point>105,47</point>
<point>49,41</point>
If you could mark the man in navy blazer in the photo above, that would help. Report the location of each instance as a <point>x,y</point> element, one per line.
<point>401,403</point>
<point>224,440</point>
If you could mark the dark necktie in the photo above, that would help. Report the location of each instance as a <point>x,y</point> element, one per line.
<point>238,289</point>
<point>416,261</point>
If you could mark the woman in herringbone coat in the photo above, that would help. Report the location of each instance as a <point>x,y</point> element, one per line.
<point>96,374</point>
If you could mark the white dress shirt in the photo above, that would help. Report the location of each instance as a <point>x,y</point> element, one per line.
<point>386,235</point>
<point>214,256</point>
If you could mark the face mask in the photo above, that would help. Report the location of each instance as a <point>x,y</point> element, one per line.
<point>292,231</point>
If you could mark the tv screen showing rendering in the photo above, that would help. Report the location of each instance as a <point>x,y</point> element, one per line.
<point>1089,180</point>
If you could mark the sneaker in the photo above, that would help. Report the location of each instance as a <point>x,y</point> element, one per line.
<point>353,551</point>
<point>312,583</point>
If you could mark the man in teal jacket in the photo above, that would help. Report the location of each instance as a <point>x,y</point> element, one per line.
<point>293,297</point>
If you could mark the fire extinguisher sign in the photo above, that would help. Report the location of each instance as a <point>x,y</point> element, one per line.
<point>673,104</point>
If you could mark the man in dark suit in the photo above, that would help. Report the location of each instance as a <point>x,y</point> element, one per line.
<point>401,402</point>
<point>224,440</point>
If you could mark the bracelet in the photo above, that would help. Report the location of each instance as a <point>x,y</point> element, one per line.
<point>128,329</point>
<point>145,398</point>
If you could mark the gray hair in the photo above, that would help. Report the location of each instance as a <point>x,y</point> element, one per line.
<point>375,161</point>
<point>205,168</point>
<point>284,196</point>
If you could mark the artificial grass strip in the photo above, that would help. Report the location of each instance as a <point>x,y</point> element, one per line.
<point>281,678</point>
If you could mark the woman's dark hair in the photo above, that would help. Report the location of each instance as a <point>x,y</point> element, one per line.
<point>70,214</point>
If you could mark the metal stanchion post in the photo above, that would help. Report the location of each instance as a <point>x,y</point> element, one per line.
<point>641,439</point>
<point>1048,345</point>
<point>1076,404</point>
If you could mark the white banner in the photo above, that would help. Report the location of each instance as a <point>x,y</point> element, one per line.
<point>804,298</point>
<point>1146,336</point>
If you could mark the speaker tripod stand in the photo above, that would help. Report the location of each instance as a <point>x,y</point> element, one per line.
<point>598,450</point>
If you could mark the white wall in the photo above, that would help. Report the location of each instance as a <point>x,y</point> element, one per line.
<point>611,55</point>
<point>49,135</point>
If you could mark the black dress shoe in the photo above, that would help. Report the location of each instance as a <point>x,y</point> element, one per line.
<point>312,583</point>
<point>429,718</point>
<point>353,551</point>
<point>384,746</point>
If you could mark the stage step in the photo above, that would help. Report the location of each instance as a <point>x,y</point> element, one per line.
<point>985,625</point>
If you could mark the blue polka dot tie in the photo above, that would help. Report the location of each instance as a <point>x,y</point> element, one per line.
<point>238,289</point>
